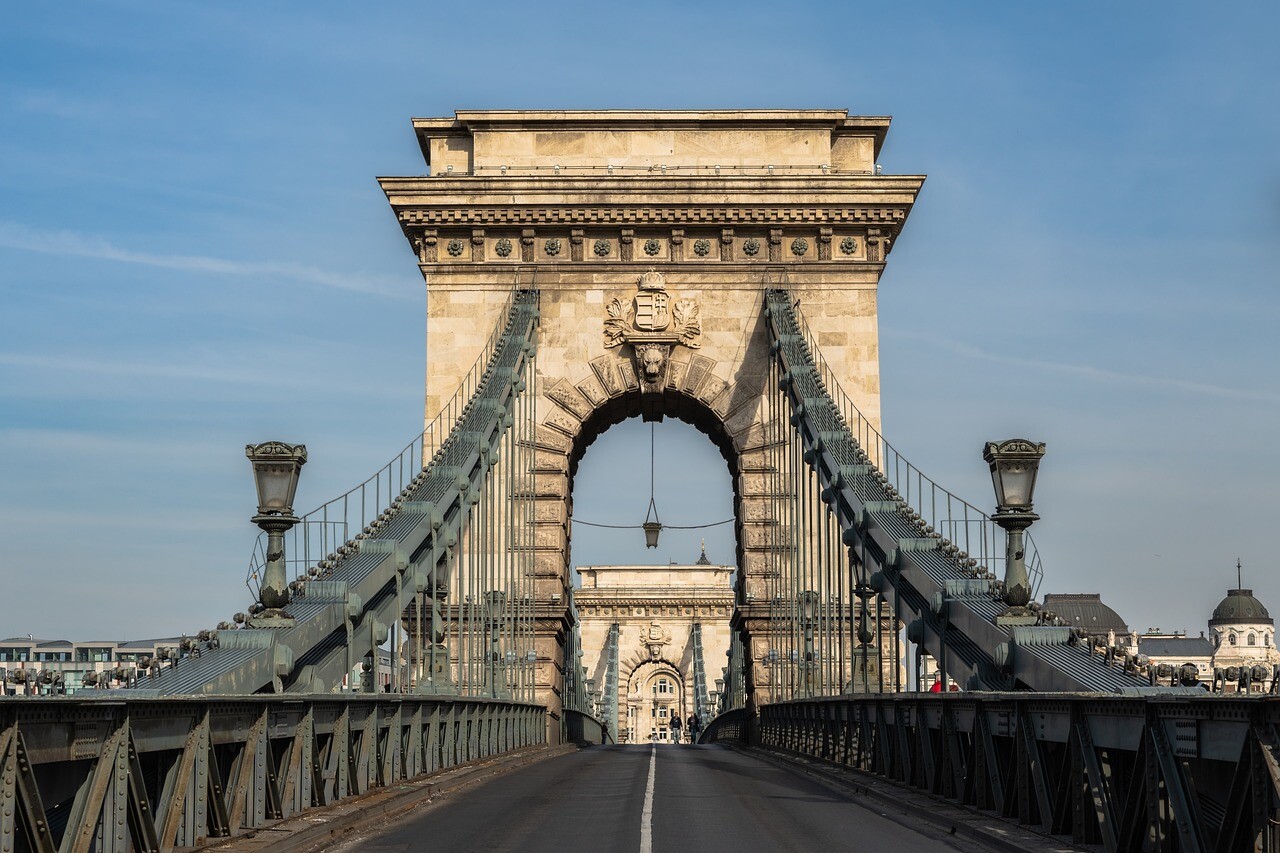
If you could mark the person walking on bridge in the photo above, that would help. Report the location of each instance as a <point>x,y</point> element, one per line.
<point>694,724</point>
<point>674,725</point>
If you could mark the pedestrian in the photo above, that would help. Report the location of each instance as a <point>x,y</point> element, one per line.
<point>694,725</point>
<point>674,725</point>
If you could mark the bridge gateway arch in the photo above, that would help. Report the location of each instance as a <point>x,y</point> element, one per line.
<point>651,238</point>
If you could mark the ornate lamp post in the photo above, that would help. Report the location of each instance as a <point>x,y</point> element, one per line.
<point>1014,464</point>
<point>275,472</point>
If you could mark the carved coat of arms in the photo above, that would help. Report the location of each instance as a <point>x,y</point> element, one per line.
<point>652,323</point>
<point>655,638</point>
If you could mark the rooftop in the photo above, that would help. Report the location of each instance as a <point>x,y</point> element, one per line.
<point>1087,611</point>
<point>1175,646</point>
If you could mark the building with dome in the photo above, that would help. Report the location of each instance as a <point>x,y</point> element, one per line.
<point>1242,631</point>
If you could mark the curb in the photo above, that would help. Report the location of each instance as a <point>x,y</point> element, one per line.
<point>981,827</point>
<point>318,828</point>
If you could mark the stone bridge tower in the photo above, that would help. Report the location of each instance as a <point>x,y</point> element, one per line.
<point>651,236</point>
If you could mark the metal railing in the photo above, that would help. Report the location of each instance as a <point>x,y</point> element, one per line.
<point>1191,774</point>
<point>726,727</point>
<point>159,774</point>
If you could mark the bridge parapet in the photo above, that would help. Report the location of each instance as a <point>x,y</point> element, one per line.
<point>1185,772</point>
<point>121,772</point>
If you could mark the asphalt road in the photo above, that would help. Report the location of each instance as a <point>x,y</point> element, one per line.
<point>652,800</point>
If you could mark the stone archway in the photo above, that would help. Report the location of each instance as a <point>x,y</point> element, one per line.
<point>724,397</point>
<point>648,706</point>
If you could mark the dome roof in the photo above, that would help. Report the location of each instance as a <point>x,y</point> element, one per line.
<point>1240,607</point>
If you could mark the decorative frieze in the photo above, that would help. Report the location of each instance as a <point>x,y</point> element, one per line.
<point>679,245</point>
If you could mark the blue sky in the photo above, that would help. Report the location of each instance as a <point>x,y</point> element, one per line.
<point>194,254</point>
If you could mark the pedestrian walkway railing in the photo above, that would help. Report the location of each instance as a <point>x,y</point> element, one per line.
<point>1184,773</point>
<point>159,774</point>
<point>583,728</point>
<point>728,727</point>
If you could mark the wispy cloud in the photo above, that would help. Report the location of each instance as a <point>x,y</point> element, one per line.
<point>14,235</point>
<point>86,375</point>
<point>1092,372</point>
<point>105,367</point>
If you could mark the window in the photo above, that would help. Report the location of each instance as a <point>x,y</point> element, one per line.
<point>1232,639</point>
<point>662,687</point>
<point>1253,640</point>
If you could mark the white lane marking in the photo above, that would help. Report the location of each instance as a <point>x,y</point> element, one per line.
<point>646,817</point>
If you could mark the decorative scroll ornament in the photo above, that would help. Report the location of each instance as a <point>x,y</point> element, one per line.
<point>652,323</point>
<point>276,448</point>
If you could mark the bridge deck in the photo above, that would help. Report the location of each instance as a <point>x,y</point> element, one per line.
<point>663,798</point>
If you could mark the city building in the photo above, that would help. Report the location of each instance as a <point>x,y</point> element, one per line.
<point>1175,650</point>
<point>31,666</point>
<point>1243,632</point>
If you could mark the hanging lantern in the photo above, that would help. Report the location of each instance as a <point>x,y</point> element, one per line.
<point>652,524</point>
<point>651,531</point>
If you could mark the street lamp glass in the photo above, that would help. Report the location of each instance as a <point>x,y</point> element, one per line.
<point>275,472</point>
<point>1014,464</point>
<point>651,531</point>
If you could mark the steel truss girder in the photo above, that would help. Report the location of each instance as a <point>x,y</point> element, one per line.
<point>1128,773</point>
<point>149,774</point>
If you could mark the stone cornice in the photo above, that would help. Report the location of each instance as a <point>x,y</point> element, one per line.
<point>650,215</point>
<point>651,189</point>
